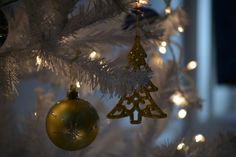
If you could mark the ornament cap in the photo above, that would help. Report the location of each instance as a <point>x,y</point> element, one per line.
<point>72,93</point>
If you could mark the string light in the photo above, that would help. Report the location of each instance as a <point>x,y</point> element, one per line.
<point>199,138</point>
<point>182,113</point>
<point>77,84</point>
<point>168,10</point>
<point>93,55</point>
<point>178,99</point>
<point>35,114</point>
<point>38,60</point>
<point>192,65</point>
<point>180,146</point>
<point>180,29</point>
<point>143,1</point>
<point>164,43</point>
<point>42,63</point>
<point>140,3</point>
<point>162,49</point>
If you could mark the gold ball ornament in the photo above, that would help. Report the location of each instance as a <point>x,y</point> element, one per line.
<point>72,124</point>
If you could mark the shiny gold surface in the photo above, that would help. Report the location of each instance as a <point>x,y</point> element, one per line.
<point>140,103</point>
<point>72,124</point>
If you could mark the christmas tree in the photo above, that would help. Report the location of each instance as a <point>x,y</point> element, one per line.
<point>48,45</point>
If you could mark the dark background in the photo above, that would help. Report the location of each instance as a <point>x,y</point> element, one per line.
<point>224,27</point>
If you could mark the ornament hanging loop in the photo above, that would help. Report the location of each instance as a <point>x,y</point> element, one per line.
<point>138,15</point>
<point>70,79</point>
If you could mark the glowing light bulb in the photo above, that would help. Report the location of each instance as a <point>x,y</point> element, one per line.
<point>144,2</point>
<point>93,55</point>
<point>182,113</point>
<point>35,114</point>
<point>178,99</point>
<point>199,138</point>
<point>140,3</point>
<point>162,49</point>
<point>180,146</point>
<point>77,84</point>
<point>180,29</point>
<point>164,43</point>
<point>192,65</point>
<point>168,10</point>
<point>38,60</point>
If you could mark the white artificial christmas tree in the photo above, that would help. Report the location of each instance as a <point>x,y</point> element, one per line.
<point>44,36</point>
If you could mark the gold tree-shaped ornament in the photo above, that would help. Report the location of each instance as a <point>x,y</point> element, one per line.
<point>139,103</point>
